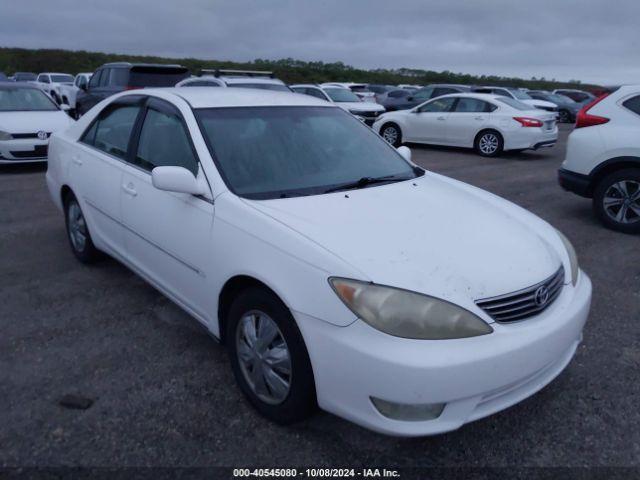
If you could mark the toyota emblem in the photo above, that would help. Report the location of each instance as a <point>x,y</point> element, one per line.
<point>542,296</point>
<point>42,135</point>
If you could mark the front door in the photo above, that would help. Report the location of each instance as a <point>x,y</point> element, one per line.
<point>428,122</point>
<point>168,234</point>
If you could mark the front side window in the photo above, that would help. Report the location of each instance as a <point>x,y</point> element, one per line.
<point>104,78</point>
<point>438,105</point>
<point>341,95</point>
<point>277,152</point>
<point>473,105</point>
<point>25,100</point>
<point>112,130</point>
<point>95,79</point>
<point>164,142</point>
<point>520,95</point>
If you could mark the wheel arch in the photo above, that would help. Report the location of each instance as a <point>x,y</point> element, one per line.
<point>232,287</point>
<point>65,191</point>
<point>609,166</point>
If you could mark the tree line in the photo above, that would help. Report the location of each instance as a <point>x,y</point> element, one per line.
<point>288,69</point>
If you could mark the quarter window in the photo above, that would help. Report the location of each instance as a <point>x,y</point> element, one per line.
<point>164,142</point>
<point>111,132</point>
<point>438,105</point>
<point>633,104</point>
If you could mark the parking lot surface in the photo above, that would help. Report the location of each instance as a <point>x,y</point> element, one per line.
<point>163,392</point>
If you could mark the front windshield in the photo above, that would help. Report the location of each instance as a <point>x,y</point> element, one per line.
<point>62,78</point>
<point>25,100</point>
<point>341,95</point>
<point>517,104</point>
<point>277,152</point>
<point>520,95</point>
<point>263,86</point>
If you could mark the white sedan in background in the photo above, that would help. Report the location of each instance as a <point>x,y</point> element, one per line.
<point>343,98</point>
<point>27,118</point>
<point>490,124</point>
<point>281,223</point>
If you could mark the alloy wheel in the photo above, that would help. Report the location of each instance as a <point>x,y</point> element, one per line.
<point>264,357</point>
<point>621,201</point>
<point>77,227</point>
<point>488,143</point>
<point>390,134</point>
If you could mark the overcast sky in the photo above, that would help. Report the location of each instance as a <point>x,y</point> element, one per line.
<point>590,40</point>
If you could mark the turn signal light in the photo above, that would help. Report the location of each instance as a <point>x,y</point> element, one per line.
<point>528,122</point>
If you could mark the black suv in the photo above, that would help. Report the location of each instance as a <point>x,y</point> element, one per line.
<point>113,78</point>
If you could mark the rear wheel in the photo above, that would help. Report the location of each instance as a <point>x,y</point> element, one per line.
<point>392,134</point>
<point>269,357</point>
<point>78,232</point>
<point>616,200</point>
<point>564,116</point>
<point>489,143</point>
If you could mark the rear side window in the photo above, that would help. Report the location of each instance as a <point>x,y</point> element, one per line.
<point>156,77</point>
<point>164,142</point>
<point>633,104</point>
<point>111,132</point>
<point>118,77</point>
<point>473,105</point>
<point>399,94</point>
<point>314,92</point>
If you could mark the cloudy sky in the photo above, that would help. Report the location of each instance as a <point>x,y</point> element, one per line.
<point>590,40</point>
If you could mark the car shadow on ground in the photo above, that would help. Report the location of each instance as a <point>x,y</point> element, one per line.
<point>526,155</point>
<point>23,167</point>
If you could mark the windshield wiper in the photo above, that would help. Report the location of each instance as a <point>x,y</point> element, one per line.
<point>366,181</point>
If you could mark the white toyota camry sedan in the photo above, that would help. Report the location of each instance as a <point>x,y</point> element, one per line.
<point>322,257</point>
<point>27,118</point>
<point>490,124</point>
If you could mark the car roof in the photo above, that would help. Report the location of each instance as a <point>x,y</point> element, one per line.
<point>207,97</point>
<point>230,80</point>
<point>305,85</point>
<point>129,64</point>
<point>54,73</point>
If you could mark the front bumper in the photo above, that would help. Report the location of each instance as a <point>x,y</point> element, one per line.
<point>475,377</point>
<point>574,182</point>
<point>23,151</point>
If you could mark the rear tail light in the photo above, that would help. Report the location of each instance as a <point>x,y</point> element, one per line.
<point>129,87</point>
<point>585,119</point>
<point>528,122</point>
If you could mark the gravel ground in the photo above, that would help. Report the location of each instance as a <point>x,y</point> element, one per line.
<point>163,390</point>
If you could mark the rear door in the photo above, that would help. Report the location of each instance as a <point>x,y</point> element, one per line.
<point>168,234</point>
<point>428,124</point>
<point>97,167</point>
<point>469,116</point>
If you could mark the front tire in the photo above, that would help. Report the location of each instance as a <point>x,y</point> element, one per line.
<point>616,200</point>
<point>489,143</point>
<point>78,232</point>
<point>392,134</point>
<point>269,358</point>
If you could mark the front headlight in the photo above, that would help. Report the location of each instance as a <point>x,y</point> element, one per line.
<point>406,314</point>
<point>573,258</point>
<point>5,135</point>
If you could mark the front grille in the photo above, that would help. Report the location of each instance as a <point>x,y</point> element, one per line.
<point>524,303</point>
<point>39,151</point>
<point>18,136</point>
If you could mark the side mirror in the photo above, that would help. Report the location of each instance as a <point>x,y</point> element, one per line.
<point>176,179</point>
<point>84,86</point>
<point>405,152</point>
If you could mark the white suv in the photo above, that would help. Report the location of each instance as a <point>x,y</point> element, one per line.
<point>57,85</point>
<point>603,158</point>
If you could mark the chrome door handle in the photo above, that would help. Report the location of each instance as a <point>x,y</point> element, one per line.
<point>441,118</point>
<point>479,118</point>
<point>129,189</point>
<point>76,160</point>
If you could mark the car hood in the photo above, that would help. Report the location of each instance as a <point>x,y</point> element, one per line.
<point>540,103</point>
<point>432,235</point>
<point>360,106</point>
<point>32,122</point>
